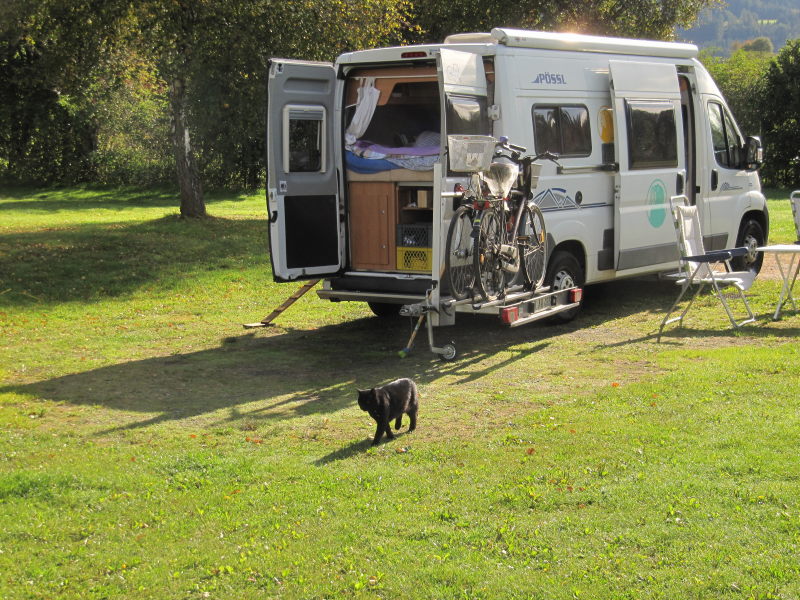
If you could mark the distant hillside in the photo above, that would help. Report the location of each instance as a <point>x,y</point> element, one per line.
<point>741,20</point>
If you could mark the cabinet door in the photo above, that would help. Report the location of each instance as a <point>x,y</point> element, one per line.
<point>372,225</point>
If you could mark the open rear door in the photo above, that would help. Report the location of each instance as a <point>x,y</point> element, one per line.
<point>651,157</point>
<point>306,231</point>
<point>464,92</point>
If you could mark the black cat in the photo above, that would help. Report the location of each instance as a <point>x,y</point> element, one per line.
<point>390,402</point>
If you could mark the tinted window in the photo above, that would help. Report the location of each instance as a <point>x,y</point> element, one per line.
<point>724,136</point>
<point>652,135</point>
<point>563,130</point>
<point>467,115</point>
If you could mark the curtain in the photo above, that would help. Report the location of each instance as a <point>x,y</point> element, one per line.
<point>366,101</point>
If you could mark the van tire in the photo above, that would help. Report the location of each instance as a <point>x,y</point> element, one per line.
<point>384,310</point>
<point>564,271</point>
<point>751,235</point>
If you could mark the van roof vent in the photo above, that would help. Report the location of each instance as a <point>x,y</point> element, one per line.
<point>470,38</point>
<point>549,40</point>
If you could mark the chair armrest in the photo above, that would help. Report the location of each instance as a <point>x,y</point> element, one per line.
<point>716,256</point>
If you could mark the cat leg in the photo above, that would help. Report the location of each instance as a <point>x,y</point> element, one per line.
<point>378,434</point>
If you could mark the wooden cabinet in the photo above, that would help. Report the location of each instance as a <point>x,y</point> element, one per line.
<point>373,220</point>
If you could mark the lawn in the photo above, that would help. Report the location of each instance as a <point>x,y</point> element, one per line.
<point>150,447</point>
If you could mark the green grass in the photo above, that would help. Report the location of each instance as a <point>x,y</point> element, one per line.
<point>152,448</point>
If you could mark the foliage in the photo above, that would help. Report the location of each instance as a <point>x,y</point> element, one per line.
<point>642,18</point>
<point>780,110</point>
<point>759,44</point>
<point>727,27</point>
<point>57,65</point>
<point>85,84</point>
<point>741,80</point>
<point>150,448</point>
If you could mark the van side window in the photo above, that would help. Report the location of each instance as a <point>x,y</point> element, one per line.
<point>303,139</point>
<point>725,137</point>
<point>562,129</point>
<point>652,134</point>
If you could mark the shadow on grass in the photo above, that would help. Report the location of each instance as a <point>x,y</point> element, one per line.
<point>285,374</point>
<point>348,451</point>
<point>280,374</point>
<point>93,261</point>
<point>101,197</point>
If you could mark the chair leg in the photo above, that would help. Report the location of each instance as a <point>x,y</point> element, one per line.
<point>667,320</point>
<point>718,292</point>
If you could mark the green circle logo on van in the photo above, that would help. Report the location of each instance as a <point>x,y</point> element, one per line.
<point>657,201</point>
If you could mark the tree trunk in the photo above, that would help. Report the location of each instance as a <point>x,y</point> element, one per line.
<point>191,189</point>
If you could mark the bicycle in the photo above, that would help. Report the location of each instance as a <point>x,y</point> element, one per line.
<point>497,241</point>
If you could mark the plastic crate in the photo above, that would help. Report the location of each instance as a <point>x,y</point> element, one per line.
<point>414,259</point>
<point>417,235</point>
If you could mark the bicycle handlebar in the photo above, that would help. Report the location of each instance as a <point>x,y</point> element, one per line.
<point>516,151</point>
<point>503,143</point>
<point>547,155</point>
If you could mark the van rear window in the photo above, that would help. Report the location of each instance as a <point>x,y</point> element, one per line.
<point>562,129</point>
<point>467,115</point>
<point>652,134</point>
<point>304,139</point>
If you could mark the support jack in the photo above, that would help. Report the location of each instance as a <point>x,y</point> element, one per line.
<point>267,321</point>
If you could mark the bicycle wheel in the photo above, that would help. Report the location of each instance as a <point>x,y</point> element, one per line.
<point>532,243</point>
<point>489,276</point>
<point>458,254</point>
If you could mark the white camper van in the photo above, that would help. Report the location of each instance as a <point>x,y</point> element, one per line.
<point>360,187</point>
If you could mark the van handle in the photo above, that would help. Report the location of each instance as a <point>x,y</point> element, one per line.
<point>714,179</point>
<point>679,185</point>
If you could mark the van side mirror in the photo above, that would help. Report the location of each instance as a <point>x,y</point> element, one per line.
<point>753,153</point>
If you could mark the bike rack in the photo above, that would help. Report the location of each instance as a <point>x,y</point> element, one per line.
<point>515,308</point>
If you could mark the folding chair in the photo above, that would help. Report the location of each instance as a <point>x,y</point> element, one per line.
<point>795,201</point>
<point>696,266</point>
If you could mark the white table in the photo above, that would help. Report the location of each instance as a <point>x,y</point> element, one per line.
<point>779,250</point>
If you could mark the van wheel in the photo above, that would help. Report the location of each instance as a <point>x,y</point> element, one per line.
<point>384,310</point>
<point>751,236</point>
<point>564,272</point>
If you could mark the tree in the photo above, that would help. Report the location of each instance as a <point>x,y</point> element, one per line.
<point>780,110</point>
<point>655,19</point>
<point>759,44</point>
<point>56,67</point>
<point>741,80</point>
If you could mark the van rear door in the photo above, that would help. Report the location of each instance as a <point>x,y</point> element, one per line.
<point>651,157</point>
<point>464,91</point>
<point>306,232</point>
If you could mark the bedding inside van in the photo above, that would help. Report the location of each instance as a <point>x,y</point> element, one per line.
<point>367,157</point>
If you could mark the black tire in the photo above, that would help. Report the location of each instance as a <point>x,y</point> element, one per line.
<point>533,254</point>
<point>563,272</point>
<point>459,263</point>
<point>489,276</point>
<point>384,310</point>
<point>751,235</point>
